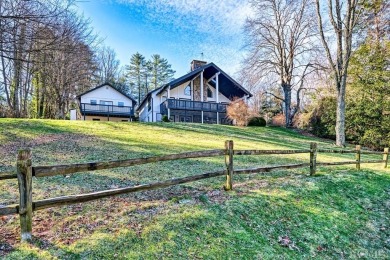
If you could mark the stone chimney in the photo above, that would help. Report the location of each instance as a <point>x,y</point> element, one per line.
<point>196,64</point>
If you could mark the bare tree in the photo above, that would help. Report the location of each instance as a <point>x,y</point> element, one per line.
<point>107,65</point>
<point>279,38</point>
<point>343,17</point>
<point>45,57</point>
<point>20,24</point>
<point>65,70</point>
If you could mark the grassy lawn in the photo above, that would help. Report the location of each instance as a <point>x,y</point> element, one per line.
<point>339,213</point>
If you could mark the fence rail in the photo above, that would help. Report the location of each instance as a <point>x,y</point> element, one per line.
<point>8,175</point>
<point>24,172</point>
<point>44,171</point>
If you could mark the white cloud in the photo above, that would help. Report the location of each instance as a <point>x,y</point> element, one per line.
<point>222,17</point>
<point>192,27</point>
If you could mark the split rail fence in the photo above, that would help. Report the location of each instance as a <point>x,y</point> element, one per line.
<point>25,171</point>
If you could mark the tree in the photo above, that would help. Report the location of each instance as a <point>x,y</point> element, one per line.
<point>343,17</point>
<point>45,57</point>
<point>279,40</point>
<point>62,72</point>
<point>368,96</point>
<point>374,22</point>
<point>23,24</point>
<point>135,71</point>
<point>161,71</point>
<point>146,75</point>
<point>107,65</point>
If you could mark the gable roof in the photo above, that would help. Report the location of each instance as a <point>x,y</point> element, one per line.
<point>108,84</point>
<point>148,95</point>
<point>227,85</point>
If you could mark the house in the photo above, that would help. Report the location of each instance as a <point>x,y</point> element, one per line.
<point>105,103</point>
<point>200,96</point>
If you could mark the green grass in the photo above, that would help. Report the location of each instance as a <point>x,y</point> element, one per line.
<point>339,213</point>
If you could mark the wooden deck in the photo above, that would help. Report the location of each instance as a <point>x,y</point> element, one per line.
<point>191,111</point>
<point>106,110</point>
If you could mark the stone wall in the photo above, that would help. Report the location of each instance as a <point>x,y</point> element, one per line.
<point>196,90</point>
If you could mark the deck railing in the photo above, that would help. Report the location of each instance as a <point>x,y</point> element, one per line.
<point>106,109</point>
<point>182,104</point>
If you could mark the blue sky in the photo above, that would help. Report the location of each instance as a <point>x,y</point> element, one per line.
<point>179,30</point>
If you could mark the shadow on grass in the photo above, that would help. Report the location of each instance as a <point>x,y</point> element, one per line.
<point>338,215</point>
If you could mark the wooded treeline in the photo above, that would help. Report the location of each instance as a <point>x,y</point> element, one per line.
<point>50,54</point>
<point>323,65</point>
<point>46,57</point>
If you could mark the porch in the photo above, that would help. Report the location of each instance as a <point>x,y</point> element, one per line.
<point>193,105</point>
<point>179,110</point>
<point>106,110</point>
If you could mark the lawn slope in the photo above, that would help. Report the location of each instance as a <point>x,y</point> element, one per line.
<point>338,213</point>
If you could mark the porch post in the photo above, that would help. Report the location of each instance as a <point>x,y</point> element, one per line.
<point>192,90</point>
<point>83,111</point>
<point>217,97</point>
<point>168,97</point>
<point>201,91</point>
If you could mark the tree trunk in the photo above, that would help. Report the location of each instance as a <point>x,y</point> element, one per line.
<point>287,104</point>
<point>340,113</point>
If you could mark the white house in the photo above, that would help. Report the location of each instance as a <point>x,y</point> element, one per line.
<point>200,96</point>
<point>106,103</point>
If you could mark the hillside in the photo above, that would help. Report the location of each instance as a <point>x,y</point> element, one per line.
<point>338,213</point>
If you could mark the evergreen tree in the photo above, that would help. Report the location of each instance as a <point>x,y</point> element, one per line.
<point>162,71</point>
<point>368,99</point>
<point>146,75</point>
<point>135,74</point>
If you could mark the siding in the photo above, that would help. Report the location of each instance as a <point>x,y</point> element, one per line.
<point>106,93</point>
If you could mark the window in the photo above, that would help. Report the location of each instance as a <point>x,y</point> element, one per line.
<point>103,102</point>
<point>93,102</point>
<point>209,93</point>
<point>149,104</point>
<point>187,90</point>
<point>95,119</point>
<point>121,104</point>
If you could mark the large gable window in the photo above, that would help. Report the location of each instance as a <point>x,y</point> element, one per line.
<point>187,90</point>
<point>209,93</point>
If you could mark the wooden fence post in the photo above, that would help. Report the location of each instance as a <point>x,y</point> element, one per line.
<point>385,157</point>
<point>313,158</point>
<point>24,173</point>
<point>229,164</point>
<point>357,157</point>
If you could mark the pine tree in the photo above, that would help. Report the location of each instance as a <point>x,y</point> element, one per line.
<point>135,74</point>
<point>161,72</point>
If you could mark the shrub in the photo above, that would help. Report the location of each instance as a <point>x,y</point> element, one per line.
<point>278,120</point>
<point>238,111</point>
<point>320,120</point>
<point>257,121</point>
<point>165,118</point>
